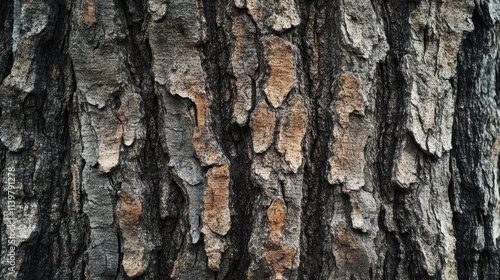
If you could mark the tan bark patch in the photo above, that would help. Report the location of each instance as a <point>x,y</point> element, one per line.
<point>130,211</point>
<point>276,215</point>
<point>204,142</point>
<point>216,201</point>
<point>206,147</point>
<point>128,219</point>
<point>280,259</point>
<point>214,247</point>
<point>347,162</point>
<point>350,100</point>
<point>263,128</point>
<point>292,131</point>
<point>88,15</point>
<point>216,214</point>
<point>349,254</point>
<point>130,114</point>
<point>109,135</point>
<point>201,108</point>
<point>279,56</point>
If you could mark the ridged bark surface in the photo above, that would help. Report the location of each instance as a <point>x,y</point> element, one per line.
<point>250,139</point>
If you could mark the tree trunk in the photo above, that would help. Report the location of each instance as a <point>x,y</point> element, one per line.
<point>250,139</point>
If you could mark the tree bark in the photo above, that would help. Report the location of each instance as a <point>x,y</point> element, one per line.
<point>250,139</point>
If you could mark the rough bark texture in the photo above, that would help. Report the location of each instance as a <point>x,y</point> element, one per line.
<point>250,139</point>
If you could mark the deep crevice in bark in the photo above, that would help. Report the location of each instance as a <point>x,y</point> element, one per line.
<point>6,25</point>
<point>470,134</point>
<point>319,195</point>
